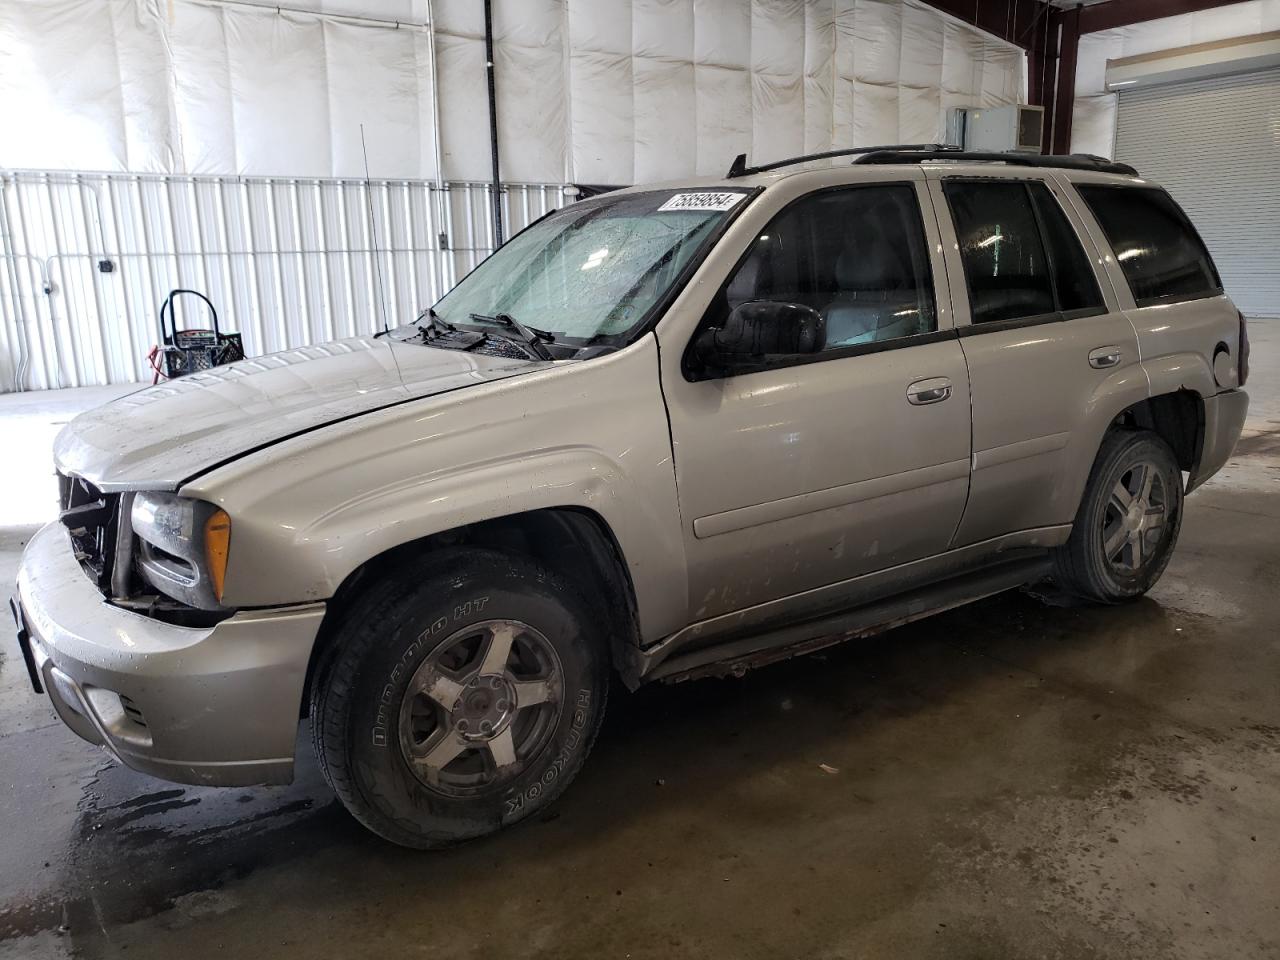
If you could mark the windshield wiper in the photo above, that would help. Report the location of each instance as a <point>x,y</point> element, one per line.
<point>438,332</point>
<point>533,337</point>
<point>435,325</point>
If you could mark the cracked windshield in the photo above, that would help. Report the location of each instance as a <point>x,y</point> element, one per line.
<point>593,270</point>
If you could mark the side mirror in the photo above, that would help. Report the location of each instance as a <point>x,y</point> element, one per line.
<point>759,329</point>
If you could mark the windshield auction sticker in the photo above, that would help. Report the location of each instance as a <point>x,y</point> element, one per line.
<point>701,201</point>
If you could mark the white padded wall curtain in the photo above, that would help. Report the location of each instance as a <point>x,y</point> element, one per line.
<point>659,88</point>
<point>590,91</point>
<point>1093,124</point>
<point>179,87</point>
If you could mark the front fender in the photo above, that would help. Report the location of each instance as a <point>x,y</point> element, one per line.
<point>357,531</point>
<point>309,511</point>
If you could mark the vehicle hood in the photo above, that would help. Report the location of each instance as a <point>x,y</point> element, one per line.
<point>164,435</point>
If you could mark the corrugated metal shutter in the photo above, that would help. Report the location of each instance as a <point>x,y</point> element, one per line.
<point>1215,144</point>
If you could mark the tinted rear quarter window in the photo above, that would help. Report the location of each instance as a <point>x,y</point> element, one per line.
<point>1159,251</point>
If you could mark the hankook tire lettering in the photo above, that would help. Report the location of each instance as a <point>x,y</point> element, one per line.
<point>558,763</point>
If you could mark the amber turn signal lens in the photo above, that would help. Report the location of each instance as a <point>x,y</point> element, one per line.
<point>217,541</point>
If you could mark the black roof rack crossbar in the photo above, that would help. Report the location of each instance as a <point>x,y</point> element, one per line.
<point>739,167</point>
<point>1071,161</point>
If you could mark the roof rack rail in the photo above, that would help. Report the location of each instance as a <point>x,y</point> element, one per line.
<point>1070,161</point>
<point>739,167</point>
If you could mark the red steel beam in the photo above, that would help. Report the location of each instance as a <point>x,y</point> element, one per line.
<point>1057,92</point>
<point>1065,83</point>
<point>1042,59</point>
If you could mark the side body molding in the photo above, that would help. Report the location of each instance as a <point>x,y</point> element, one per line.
<point>308,512</point>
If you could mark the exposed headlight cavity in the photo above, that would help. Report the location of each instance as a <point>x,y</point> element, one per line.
<point>183,547</point>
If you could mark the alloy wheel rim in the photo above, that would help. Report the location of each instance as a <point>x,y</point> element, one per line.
<point>1135,518</point>
<point>480,706</point>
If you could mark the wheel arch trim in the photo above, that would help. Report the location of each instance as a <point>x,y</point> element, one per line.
<point>613,591</point>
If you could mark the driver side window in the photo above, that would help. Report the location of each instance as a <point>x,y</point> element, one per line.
<point>857,255</point>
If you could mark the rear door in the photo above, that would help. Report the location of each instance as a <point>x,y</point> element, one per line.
<point>828,465</point>
<point>1046,344</point>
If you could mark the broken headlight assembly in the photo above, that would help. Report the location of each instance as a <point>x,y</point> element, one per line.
<point>182,547</point>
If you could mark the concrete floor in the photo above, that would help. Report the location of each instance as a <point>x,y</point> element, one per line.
<point>1009,780</point>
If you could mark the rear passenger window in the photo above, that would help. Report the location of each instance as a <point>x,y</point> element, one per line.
<point>1158,249</point>
<point>857,255</point>
<point>1072,274</point>
<point>1021,257</point>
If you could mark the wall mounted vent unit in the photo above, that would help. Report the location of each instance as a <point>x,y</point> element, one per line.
<point>1016,128</point>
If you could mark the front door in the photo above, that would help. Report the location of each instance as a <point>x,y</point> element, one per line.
<point>828,465</point>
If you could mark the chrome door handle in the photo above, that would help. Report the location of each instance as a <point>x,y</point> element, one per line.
<point>1102,357</point>
<point>933,390</point>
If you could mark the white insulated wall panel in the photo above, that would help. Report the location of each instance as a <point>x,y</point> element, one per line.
<point>592,91</point>
<point>182,87</point>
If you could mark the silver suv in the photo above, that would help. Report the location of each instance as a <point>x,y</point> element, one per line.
<point>669,431</point>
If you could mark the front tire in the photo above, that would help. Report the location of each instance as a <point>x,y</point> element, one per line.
<point>460,697</point>
<point>1128,521</point>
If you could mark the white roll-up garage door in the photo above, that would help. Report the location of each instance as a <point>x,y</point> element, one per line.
<point>1215,144</point>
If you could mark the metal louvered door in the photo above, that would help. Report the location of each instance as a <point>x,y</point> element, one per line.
<point>1215,145</point>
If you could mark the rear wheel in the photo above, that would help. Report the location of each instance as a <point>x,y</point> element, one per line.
<point>1128,520</point>
<point>460,698</point>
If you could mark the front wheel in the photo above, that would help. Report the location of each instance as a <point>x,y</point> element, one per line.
<point>461,697</point>
<point>1128,520</point>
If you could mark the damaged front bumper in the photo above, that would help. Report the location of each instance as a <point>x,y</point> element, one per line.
<point>217,705</point>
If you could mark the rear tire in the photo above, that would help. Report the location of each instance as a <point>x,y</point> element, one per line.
<point>460,697</point>
<point>1128,521</point>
